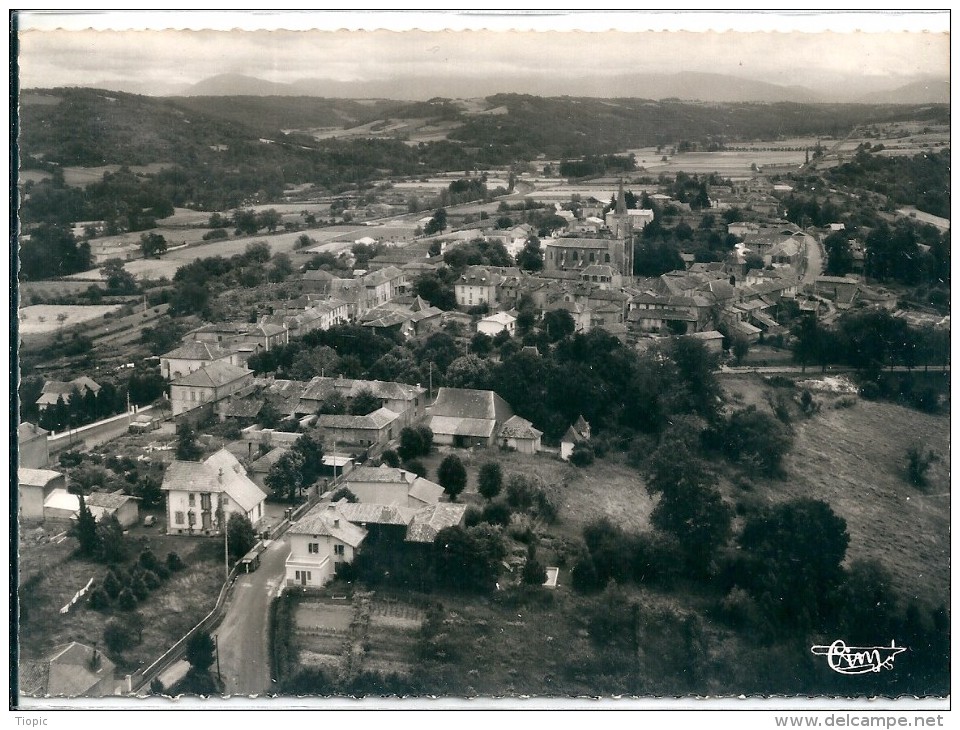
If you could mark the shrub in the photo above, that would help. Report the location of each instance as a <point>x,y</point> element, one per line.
<point>391,458</point>
<point>111,584</point>
<point>473,516</point>
<point>344,493</point>
<point>162,572</point>
<point>496,513</point>
<point>148,560</point>
<point>870,390</point>
<point>582,455</point>
<point>117,636</point>
<point>138,586</point>
<point>99,599</point>
<point>151,580</point>
<point>490,480</point>
<point>416,466</point>
<point>584,576</point>
<point>918,464</point>
<point>126,600</point>
<point>174,563</point>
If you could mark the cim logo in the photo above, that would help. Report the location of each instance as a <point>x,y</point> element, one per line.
<point>845,659</point>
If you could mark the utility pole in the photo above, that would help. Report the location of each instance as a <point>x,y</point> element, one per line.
<point>226,549</point>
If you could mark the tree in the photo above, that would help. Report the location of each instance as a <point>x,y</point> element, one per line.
<point>199,652</point>
<point>240,535</point>
<point>310,450</point>
<point>188,448</point>
<point>741,346</point>
<point>149,492</point>
<point>490,480</point>
<point>391,458</point>
<point>285,477</point>
<point>437,223</point>
<point>121,635</point>
<point>795,552</point>
<point>119,280</point>
<point>839,255</point>
<point>364,403</point>
<point>558,323</point>
<point>530,257</point>
<point>113,544</point>
<point>282,268</point>
<point>152,245</point>
<point>411,444</point>
<point>452,476</point>
<point>582,455</point>
<point>426,437</point>
<point>87,533</point>
<point>126,600</point>
<point>269,219</point>
<point>700,520</point>
<point>174,562</point>
<point>756,440</point>
<point>533,573</point>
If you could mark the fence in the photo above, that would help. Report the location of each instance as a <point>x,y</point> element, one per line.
<point>143,677</point>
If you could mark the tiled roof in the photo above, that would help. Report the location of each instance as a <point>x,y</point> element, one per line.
<point>66,672</point>
<point>593,243</point>
<point>373,421</point>
<point>221,472</point>
<point>519,428</point>
<point>107,500</point>
<point>213,375</point>
<point>380,474</point>
<point>423,490</point>
<point>470,403</point>
<point>376,514</point>
<point>27,431</point>
<point>36,477</point>
<point>429,521</point>
<point>197,350</point>
<point>328,520</point>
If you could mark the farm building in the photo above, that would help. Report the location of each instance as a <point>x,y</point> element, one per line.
<point>33,488</point>
<point>208,384</point>
<point>107,504</point>
<point>390,486</point>
<point>33,451</point>
<point>378,427</point>
<point>464,417</point>
<point>578,433</point>
<point>520,435</point>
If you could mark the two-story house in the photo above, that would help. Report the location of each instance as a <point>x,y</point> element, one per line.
<point>320,542</point>
<point>192,356</point>
<point>201,495</point>
<point>208,384</point>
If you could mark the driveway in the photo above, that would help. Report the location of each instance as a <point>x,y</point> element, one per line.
<point>242,635</point>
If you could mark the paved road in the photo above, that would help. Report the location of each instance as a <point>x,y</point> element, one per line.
<point>813,252</point>
<point>242,635</point>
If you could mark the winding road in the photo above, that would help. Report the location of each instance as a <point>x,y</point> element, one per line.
<point>242,637</point>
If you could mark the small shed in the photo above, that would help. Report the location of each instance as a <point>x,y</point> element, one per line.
<point>578,433</point>
<point>122,506</point>
<point>33,488</point>
<point>519,434</point>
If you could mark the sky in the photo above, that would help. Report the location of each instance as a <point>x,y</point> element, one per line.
<point>59,49</point>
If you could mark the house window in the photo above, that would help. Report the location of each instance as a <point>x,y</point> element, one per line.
<point>191,519</point>
<point>193,500</point>
<point>313,547</point>
<point>338,550</point>
<point>178,518</point>
<point>606,258</point>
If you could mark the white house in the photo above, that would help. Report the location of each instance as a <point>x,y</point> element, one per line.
<point>208,384</point>
<point>390,486</point>
<point>201,495</point>
<point>320,542</point>
<point>192,356</point>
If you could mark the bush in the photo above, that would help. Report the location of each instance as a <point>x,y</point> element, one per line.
<point>138,586</point>
<point>99,599</point>
<point>870,390</point>
<point>148,560</point>
<point>151,580</point>
<point>391,458</point>
<point>126,600</point>
<point>416,466</point>
<point>496,513</point>
<point>111,584</point>
<point>162,572</point>
<point>582,455</point>
<point>919,463</point>
<point>473,516</point>
<point>217,234</point>
<point>174,563</point>
<point>584,576</point>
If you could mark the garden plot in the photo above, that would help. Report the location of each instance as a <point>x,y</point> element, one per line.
<point>391,637</point>
<point>44,318</point>
<point>323,631</point>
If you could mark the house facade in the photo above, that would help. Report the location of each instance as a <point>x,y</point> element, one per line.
<point>519,435</point>
<point>192,356</point>
<point>201,496</point>
<point>208,384</point>
<point>33,488</point>
<point>320,542</point>
<point>476,286</point>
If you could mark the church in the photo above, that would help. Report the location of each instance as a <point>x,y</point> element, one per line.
<point>615,250</point>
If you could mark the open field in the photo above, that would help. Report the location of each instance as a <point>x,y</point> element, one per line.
<point>82,176</point>
<point>49,576</point>
<point>44,318</point>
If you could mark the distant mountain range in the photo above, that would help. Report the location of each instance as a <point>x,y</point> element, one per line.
<point>692,86</point>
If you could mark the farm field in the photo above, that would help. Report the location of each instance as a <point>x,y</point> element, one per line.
<point>44,318</point>
<point>82,176</point>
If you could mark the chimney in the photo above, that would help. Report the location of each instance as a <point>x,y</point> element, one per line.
<point>220,475</point>
<point>336,523</point>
